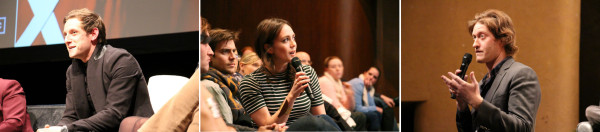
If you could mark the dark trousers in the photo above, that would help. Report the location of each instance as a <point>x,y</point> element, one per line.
<point>361,121</point>
<point>337,118</point>
<point>373,120</point>
<point>359,118</point>
<point>388,123</point>
<point>314,123</point>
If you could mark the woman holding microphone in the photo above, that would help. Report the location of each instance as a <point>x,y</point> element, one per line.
<point>275,92</point>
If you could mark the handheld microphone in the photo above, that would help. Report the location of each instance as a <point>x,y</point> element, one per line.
<point>298,65</point>
<point>466,60</point>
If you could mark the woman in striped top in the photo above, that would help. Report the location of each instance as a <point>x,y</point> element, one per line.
<point>274,92</point>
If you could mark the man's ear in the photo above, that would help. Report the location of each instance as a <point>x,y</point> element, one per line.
<point>94,34</point>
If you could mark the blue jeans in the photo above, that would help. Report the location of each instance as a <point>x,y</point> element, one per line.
<point>314,123</point>
<point>373,120</point>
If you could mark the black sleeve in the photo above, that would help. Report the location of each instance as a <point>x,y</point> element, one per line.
<point>464,121</point>
<point>69,114</point>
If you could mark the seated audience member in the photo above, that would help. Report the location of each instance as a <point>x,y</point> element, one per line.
<point>249,63</point>
<point>592,113</point>
<point>304,58</point>
<point>274,93</point>
<point>14,107</point>
<point>222,68</point>
<point>104,84</point>
<point>377,116</point>
<point>330,110</point>
<point>220,111</point>
<point>225,59</point>
<point>334,92</point>
<point>336,89</point>
<point>247,49</point>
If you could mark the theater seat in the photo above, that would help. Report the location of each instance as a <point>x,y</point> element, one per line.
<point>162,87</point>
<point>41,115</point>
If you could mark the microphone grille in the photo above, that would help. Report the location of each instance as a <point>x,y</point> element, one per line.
<point>296,62</point>
<point>467,57</point>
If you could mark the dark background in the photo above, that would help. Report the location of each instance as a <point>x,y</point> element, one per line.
<point>589,67</point>
<point>41,69</point>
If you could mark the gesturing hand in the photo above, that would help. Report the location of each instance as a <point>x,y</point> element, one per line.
<point>388,101</point>
<point>466,92</point>
<point>300,83</point>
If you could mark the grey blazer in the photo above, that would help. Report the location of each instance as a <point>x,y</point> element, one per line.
<point>510,105</point>
<point>116,86</point>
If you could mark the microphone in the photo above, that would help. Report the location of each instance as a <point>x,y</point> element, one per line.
<point>466,60</point>
<point>298,65</point>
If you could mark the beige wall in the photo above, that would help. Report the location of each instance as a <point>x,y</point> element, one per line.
<point>434,37</point>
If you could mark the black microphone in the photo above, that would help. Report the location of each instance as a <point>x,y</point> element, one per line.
<point>466,60</point>
<point>296,63</point>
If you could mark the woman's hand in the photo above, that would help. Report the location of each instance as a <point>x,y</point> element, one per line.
<point>300,83</point>
<point>273,128</point>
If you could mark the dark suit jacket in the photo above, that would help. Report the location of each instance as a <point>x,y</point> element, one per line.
<point>13,108</point>
<point>117,89</point>
<point>510,104</point>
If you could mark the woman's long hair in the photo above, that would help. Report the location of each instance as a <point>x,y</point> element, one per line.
<point>267,31</point>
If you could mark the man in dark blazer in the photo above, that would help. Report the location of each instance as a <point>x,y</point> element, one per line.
<point>508,97</point>
<point>104,84</point>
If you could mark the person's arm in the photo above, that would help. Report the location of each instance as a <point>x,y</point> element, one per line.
<point>125,75</point>
<point>254,102</point>
<point>262,116</point>
<point>464,120</point>
<point>372,103</point>
<point>387,100</point>
<point>463,113</point>
<point>317,107</point>
<point>69,114</point>
<point>329,91</point>
<point>13,107</point>
<point>358,92</point>
<point>318,110</point>
<point>211,120</point>
<point>523,101</point>
<point>349,100</point>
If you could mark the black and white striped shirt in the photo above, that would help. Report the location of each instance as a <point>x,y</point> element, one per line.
<point>258,90</point>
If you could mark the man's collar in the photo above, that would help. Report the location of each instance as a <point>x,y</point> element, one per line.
<point>497,67</point>
<point>98,52</point>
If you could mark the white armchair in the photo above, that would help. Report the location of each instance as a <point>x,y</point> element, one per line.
<point>162,87</point>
